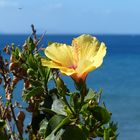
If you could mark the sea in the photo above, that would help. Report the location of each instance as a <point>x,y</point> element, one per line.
<point>119,77</point>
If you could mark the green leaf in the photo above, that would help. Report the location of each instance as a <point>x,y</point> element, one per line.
<point>101,114</point>
<point>58,106</point>
<point>91,94</point>
<point>17,51</point>
<point>84,109</point>
<point>56,123</point>
<point>106,134</point>
<point>30,44</point>
<point>32,62</point>
<point>44,72</point>
<point>74,133</point>
<point>112,130</point>
<point>74,101</point>
<point>2,123</point>
<point>33,92</point>
<point>24,66</point>
<point>47,110</point>
<point>55,137</point>
<point>43,126</point>
<point>36,83</point>
<point>16,56</point>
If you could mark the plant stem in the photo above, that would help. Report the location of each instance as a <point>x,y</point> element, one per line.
<point>65,100</point>
<point>15,120</point>
<point>83,93</point>
<point>10,130</point>
<point>10,101</point>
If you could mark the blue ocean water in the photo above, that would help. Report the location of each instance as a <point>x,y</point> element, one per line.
<point>119,77</point>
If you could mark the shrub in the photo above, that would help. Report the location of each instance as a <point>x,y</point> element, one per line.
<point>56,113</point>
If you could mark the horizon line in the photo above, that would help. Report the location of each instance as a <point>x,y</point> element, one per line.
<point>101,34</point>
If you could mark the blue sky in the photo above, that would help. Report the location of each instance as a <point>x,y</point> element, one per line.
<point>70,16</point>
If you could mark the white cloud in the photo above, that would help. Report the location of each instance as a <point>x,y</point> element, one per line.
<point>8,3</point>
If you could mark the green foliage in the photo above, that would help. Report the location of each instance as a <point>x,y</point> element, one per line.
<point>57,113</point>
<point>73,132</point>
<point>2,123</point>
<point>31,92</point>
<point>100,114</point>
<point>30,44</point>
<point>43,127</point>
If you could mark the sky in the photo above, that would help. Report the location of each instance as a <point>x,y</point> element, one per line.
<point>70,16</point>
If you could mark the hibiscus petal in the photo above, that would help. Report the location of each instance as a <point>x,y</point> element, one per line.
<point>85,66</point>
<point>98,59</point>
<point>60,53</point>
<point>51,64</point>
<point>91,52</point>
<point>86,46</point>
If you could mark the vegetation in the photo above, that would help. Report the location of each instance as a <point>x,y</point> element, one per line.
<point>56,113</point>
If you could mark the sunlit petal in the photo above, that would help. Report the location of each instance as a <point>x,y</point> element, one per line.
<point>85,66</point>
<point>98,59</point>
<point>60,53</point>
<point>86,46</point>
<point>51,64</point>
<point>85,55</point>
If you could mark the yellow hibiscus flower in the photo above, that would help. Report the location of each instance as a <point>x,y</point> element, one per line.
<point>84,55</point>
